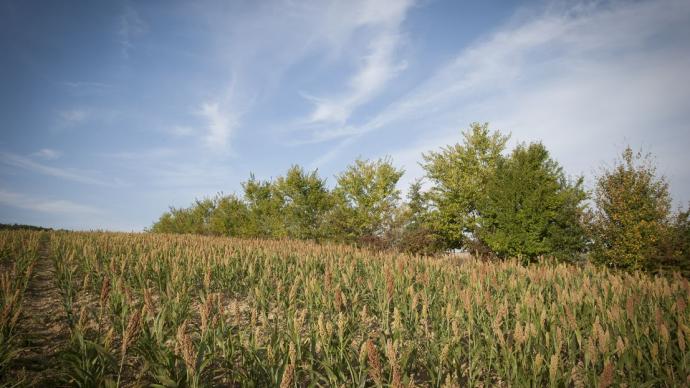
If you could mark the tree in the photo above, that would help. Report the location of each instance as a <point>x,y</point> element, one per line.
<point>416,234</point>
<point>264,207</point>
<point>459,174</point>
<point>194,219</point>
<point>230,217</point>
<point>675,245</point>
<point>365,199</point>
<point>165,223</point>
<point>632,212</point>
<point>531,209</point>
<point>306,200</point>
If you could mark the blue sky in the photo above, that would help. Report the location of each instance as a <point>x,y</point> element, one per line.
<point>112,111</point>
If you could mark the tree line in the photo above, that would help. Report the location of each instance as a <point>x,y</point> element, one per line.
<point>476,196</point>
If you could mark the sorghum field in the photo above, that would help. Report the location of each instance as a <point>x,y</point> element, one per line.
<point>99,309</point>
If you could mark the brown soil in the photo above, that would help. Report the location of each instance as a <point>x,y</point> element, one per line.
<point>42,325</point>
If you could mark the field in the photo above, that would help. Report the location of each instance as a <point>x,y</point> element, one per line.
<point>99,309</point>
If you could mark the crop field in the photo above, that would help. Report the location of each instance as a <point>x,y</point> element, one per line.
<point>106,309</point>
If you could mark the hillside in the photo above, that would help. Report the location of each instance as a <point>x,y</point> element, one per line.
<point>179,310</point>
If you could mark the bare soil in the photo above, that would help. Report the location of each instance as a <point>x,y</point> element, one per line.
<point>43,326</point>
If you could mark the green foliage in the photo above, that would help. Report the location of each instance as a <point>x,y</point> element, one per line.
<point>416,230</point>
<point>264,208</point>
<point>674,245</point>
<point>19,251</point>
<point>194,219</point>
<point>678,256</point>
<point>479,200</point>
<point>248,312</point>
<point>86,363</point>
<point>531,209</point>
<point>306,200</point>
<point>291,206</point>
<point>460,174</point>
<point>631,217</point>
<point>365,200</point>
<point>229,217</point>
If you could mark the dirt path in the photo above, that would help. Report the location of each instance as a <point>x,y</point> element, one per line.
<point>43,324</point>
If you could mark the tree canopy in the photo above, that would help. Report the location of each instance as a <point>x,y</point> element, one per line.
<point>531,208</point>
<point>365,199</point>
<point>632,213</point>
<point>476,196</point>
<point>459,175</point>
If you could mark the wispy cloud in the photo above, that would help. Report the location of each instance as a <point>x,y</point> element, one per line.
<point>259,44</point>
<point>71,175</point>
<point>142,156</point>
<point>74,116</point>
<point>566,75</point>
<point>84,88</point>
<point>131,26</point>
<point>220,123</point>
<point>47,154</point>
<point>377,66</point>
<point>79,116</point>
<point>57,206</point>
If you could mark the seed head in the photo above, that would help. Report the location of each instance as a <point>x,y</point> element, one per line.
<point>553,367</point>
<point>341,322</point>
<point>630,308</point>
<point>131,330</point>
<point>105,292</point>
<point>606,377</point>
<point>681,340</point>
<point>288,376</point>
<point>538,362</point>
<point>185,346</point>
<point>292,354</point>
<point>518,333</point>
<point>620,346</point>
<point>374,363</point>
<point>577,375</point>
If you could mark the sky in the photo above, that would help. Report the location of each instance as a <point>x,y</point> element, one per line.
<point>110,112</point>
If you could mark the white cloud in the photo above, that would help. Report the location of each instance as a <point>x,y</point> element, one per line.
<point>131,26</point>
<point>73,116</point>
<point>376,67</point>
<point>220,124</point>
<point>22,201</point>
<point>144,156</point>
<point>71,175</point>
<point>258,44</point>
<point>85,88</point>
<point>584,79</point>
<point>47,154</point>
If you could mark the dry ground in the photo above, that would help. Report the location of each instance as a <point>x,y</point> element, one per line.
<point>43,326</point>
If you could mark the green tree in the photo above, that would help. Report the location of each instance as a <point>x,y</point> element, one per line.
<point>230,217</point>
<point>264,207</point>
<point>675,245</point>
<point>365,200</point>
<point>200,215</point>
<point>164,224</point>
<point>459,174</point>
<point>306,200</point>
<point>416,231</point>
<point>632,212</point>
<point>531,208</point>
<point>194,219</point>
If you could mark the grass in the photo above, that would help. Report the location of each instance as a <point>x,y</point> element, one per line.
<point>18,254</point>
<point>192,311</point>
